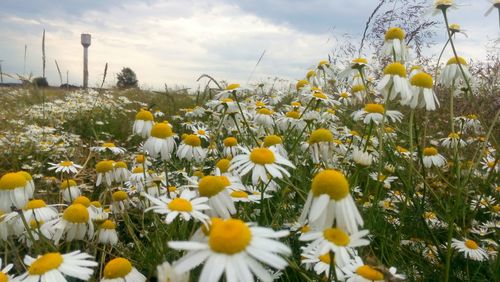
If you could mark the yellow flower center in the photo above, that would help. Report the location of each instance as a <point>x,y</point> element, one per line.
<point>229,237</point>
<point>12,180</point>
<point>401,149</point>
<point>138,169</point>
<point>117,268</point>
<point>374,108</point>
<point>323,63</point>
<point>325,258</point>
<point>454,27</point>
<point>120,165</point>
<point>108,224</point>
<point>82,200</point>
<point>305,229</point>
<point>66,163</point>
<point>359,61</point>
<point>441,4</point>
<point>45,264</point>
<point>457,60</point>
<point>119,196</point>
<point>210,186</point>
<point>395,68</point>
<point>454,135</point>
<point>96,204</point>
<point>344,95</point>
<point>369,273</point>
<point>76,213</point>
<point>310,74</point>
<point>490,164</point>
<point>394,33</point>
<point>34,204</point>
<point>472,116</point>
<point>104,166</point>
<point>301,83</point>
<point>260,104</point>
<point>320,95</point>
<point>262,156</point>
<point>67,183</point>
<point>192,140</point>
<point>108,145</point>
<point>357,88</point>
<point>421,79</point>
<point>320,135</point>
<point>272,140</point>
<point>293,114</point>
<point>223,165</point>
<point>161,130</point>
<point>140,159</point>
<point>144,115</point>
<point>239,194</point>
<point>230,142</point>
<point>295,104</point>
<point>430,151</point>
<point>265,111</point>
<point>332,183</point>
<point>429,215</point>
<point>198,174</point>
<point>233,86</point>
<point>336,236</point>
<point>180,204</point>
<point>471,244</point>
<point>35,224</point>
<point>3,277</point>
<point>172,189</point>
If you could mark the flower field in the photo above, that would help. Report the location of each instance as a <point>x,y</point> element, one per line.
<point>372,170</point>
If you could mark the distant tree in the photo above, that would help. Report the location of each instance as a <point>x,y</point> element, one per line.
<point>40,82</point>
<point>126,79</point>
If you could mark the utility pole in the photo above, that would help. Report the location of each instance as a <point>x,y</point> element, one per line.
<point>1,73</point>
<point>85,40</point>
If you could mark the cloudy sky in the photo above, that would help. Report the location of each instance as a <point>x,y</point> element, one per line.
<point>175,41</point>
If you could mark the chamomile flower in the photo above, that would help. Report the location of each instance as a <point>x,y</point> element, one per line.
<point>201,131</point>
<point>357,271</point>
<point>38,210</point>
<point>4,275</point>
<point>54,267</point>
<point>394,45</point>
<point>167,273</point>
<point>394,84</point>
<point>231,146</point>
<point>453,140</point>
<point>69,190</point>
<point>121,172</point>
<point>214,188</point>
<point>15,190</point>
<point>65,167</point>
<point>423,95</point>
<point>261,161</point>
<point>104,170</point>
<point>229,90</point>
<point>121,270</point>
<point>109,147</point>
<point>452,74</point>
<point>345,98</point>
<point>442,5</point>
<point>335,240</point>
<point>275,142</point>
<point>433,158</point>
<point>384,179</point>
<point>75,224</point>
<point>161,141</point>
<point>236,249</point>
<point>190,149</point>
<point>375,113</point>
<point>329,201</point>
<point>356,66</point>
<point>186,206</point>
<point>143,123</point>
<point>321,264</point>
<point>265,117</point>
<point>107,233</point>
<point>321,145</point>
<point>470,249</point>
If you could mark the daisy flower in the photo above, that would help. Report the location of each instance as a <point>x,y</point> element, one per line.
<point>230,89</point>
<point>75,224</point>
<point>394,45</point>
<point>54,267</point>
<point>201,131</point>
<point>356,66</point>
<point>107,233</point>
<point>260,161</point>
<point>69,190</point>
<point>121,172</point>
<point>453,140</point>
<point>432,157</point>
<point>423,95</point>
<point>375,113</point>
<point>345,98</point>
<point>161,141</point>
<point>329,201</point>
<point>109,147</point>
<point>214,188</point>
<point>265,117</point>
<point>442,5</point>
<point>121,201</point>
<point>470,249</point>
<point>104,170</point>
<point>38,210</point>
<point>357,271</point>
<point>167,273</point>
<point>321,264</point>
<point>187,206</point>
<point>335,240</point>
<point>236,249</point>
<point>452,73</point>
<point>291,121</point>
<point>143,123</point>
<point>121,270</point>
<point>15,190</point>
<point>65,167</point>
<point>275,142</point>
<point>394,83</point>
<point>321,145</point>
<point>384,179</point>
<point>231,147</point>
<point>4,275</point>
<point>190,149</point>
<point>312,78</point>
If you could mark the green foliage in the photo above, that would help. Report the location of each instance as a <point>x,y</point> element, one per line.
<point>126,79</point>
